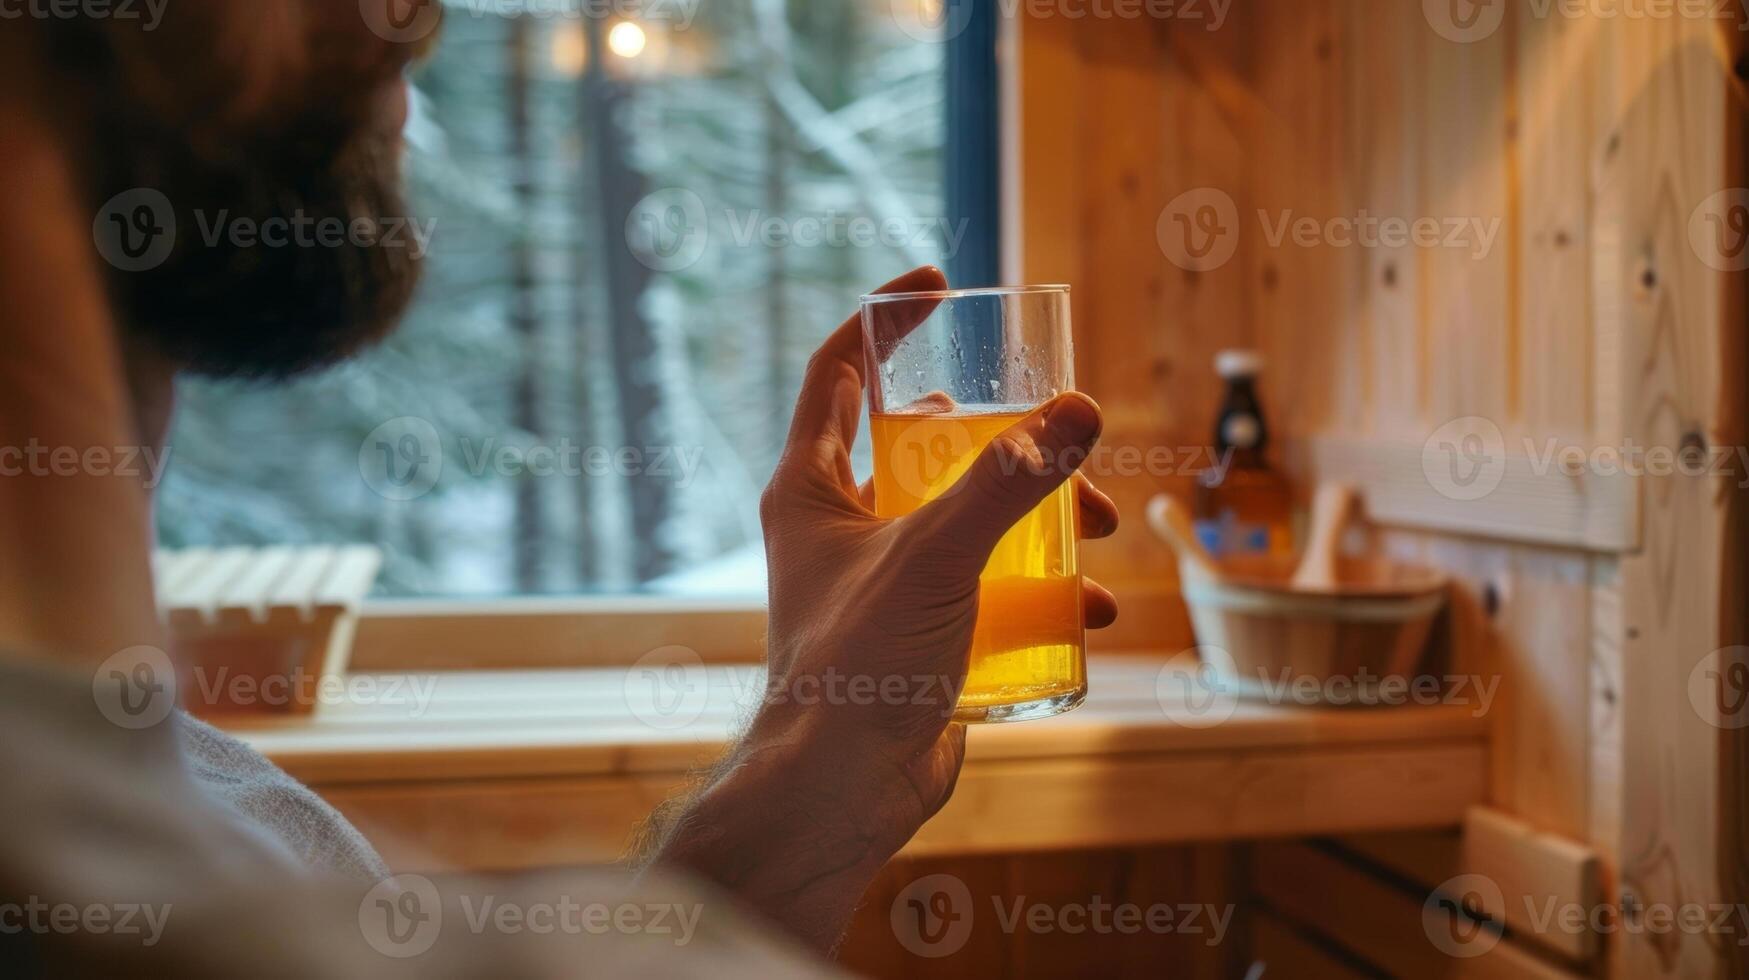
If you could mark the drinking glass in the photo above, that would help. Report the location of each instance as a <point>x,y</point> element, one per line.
<point>949,370</point>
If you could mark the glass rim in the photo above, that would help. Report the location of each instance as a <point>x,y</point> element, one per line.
<point>942,295</point>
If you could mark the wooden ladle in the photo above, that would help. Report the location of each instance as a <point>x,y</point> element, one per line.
<point>1171,521</point>
<point>1331,507</point>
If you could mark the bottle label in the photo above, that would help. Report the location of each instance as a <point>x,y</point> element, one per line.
<point>1229,536</point>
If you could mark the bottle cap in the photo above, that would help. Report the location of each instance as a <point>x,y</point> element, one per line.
<point>1238,363</point>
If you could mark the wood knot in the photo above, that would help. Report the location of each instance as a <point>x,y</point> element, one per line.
<point>1693,450</point>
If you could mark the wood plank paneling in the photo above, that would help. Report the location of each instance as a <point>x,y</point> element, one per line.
<point>1584,145</point>
<point>1401,932</point>
<point>1536,873</point>
<point>1554,135</point>
<point>1286,951</point>
<point>1300,284</point>
<point>1121,273</point>
<point>1537,880</point>
<point>1605,803</point>
<point>1683,378</point>
<point>1542,720</point>
<point>1385,93</point>
<point>1469,318</point>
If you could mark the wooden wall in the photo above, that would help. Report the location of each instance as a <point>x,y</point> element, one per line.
<point>1593,145</point>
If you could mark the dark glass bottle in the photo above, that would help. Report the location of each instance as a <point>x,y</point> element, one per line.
<point>1243,506</point>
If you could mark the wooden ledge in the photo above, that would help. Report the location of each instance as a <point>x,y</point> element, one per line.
<point>527,768</point>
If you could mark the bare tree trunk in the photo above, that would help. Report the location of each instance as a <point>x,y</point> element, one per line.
<point>593,556</point>
<point>524,311</point>
<point>634,348</point>
<point>776,297</point>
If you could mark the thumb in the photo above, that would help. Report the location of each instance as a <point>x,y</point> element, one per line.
<point>1013,474</point>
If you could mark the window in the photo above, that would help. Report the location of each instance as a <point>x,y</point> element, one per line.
<point>644,224</point>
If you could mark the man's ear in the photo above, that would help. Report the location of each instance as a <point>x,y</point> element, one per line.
<point>75,535</point>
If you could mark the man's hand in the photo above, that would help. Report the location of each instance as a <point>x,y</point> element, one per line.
<point>870,629</point>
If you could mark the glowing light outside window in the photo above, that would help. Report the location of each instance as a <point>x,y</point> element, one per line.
<point>626,39</point>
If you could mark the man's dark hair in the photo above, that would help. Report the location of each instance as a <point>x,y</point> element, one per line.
<point>235,115</point>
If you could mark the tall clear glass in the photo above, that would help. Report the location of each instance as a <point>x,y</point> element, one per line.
<point>948,372</point>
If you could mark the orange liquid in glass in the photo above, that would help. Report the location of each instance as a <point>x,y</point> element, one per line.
<point>1027,645</point>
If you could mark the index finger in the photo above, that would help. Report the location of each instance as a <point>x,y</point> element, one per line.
<point>825,421</point>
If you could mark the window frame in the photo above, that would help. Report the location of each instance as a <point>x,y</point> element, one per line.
<point>588,630</point>
<point>974,117</point>
<point>543,632</point>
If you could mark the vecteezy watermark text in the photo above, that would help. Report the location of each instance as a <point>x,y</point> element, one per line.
<point>836,230</point>
<point>1470,21</point>
<point>1200,230</point>
<point>939,20</point>
<point>679,13</point>
<point>671,229</point>
<point>1462,917</point>
<point>140,686</point>
<point>34,458</point>
<point>1119,460</point>
<point>44,918</point>
<point>1467,459</point>
<point>408,21</point>
<point>403,458</point>
<point>404,915</point>
<point>836,688</point>
<point>670,687</point>
<point>490,913</point>
<point>150,13</point>
<point>1367,230</point>
<point>303,688</point>
<point>933,916</point>
<point>567,458</point>
<point>925,455</point>
<point>1208,692</point>
<point>137,230</point>
<point>300,230</point>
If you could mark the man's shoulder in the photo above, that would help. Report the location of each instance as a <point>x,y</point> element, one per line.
<point>264,794</point>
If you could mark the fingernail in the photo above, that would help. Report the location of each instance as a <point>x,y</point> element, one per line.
<point>1073,418</point>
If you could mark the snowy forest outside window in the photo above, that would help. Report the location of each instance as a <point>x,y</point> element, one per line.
<point>643,226</point>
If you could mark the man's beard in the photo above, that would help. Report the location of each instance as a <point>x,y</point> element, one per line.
<point>287,257</point>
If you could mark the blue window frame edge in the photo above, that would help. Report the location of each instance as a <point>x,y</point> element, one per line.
<point>972,157</point>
